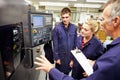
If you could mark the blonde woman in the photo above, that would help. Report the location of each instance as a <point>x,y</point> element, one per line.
<point>89,45</point>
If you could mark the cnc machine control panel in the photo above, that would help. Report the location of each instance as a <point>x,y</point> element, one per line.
<point>40,26</point>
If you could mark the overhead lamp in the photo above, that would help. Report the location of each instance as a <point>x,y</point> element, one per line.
<point>88,5</point>
<point>68,0</point>
<point>53,4</point>
<point>28,1</point>
<point>97,1</point>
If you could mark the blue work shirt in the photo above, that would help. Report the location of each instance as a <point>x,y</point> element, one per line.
<point>64,40</point>
<point>92,49</point>
<point>107,67</point>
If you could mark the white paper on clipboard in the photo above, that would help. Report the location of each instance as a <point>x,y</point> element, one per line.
<point>80,57</point>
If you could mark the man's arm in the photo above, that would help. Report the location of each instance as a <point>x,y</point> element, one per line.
<point>43,64</point>
<point>57,75</point>
<point>55,44</point>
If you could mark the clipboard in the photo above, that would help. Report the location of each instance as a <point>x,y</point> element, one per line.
<point>82,60</point>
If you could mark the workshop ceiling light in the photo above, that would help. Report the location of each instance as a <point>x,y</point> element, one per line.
<point>28,1</point>
<point>68,0</point>
<point>88,5</point>
<point>97,1</point>
<point>53,4</point>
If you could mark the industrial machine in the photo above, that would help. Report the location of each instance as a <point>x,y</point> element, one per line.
<point>11,44</point>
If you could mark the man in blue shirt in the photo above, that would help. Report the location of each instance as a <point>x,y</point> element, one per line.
<point>106,67</point>
<point>64,40</point>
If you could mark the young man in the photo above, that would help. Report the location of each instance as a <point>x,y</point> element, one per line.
<point>106,67</point>
<point>64,40</point>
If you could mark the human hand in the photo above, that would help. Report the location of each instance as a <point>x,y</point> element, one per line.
<point>43,64</point>
<point>71,63</point>
<point>58,62</point>
<point>91,62</point>
<point>85,74</point>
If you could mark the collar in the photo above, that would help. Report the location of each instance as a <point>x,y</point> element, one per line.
<point>114,43</point>
<point>64,26</point>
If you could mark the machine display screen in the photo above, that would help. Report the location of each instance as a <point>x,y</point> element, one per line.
<point>38,21</point>
<point>40,27</point>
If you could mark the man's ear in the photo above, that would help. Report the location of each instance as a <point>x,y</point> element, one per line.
<point>116,21</point>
